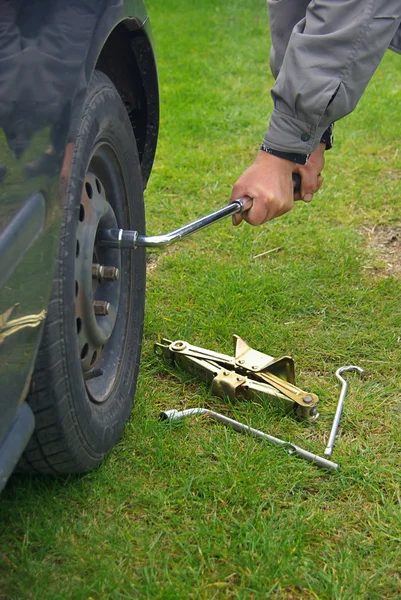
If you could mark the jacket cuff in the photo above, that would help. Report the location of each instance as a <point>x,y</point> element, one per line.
<point>300,159</point>
<point>287,134</point>
<point>328,138</point>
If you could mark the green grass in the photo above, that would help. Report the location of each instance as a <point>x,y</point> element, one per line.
<point>195,510</point>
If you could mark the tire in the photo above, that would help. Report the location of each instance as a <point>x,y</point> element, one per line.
<point>86,370</point>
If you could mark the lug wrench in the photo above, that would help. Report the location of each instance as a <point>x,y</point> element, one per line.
<point>175,415</point>
<point>125,238</point>
<point>130,239</point>
<point>339,409</point>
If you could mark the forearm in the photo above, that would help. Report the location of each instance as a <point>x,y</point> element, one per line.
<point>283,17</point>
<point>331,55</point>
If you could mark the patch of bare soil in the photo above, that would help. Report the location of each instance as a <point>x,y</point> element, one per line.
<point>153,259</point>
<point>385,241</point>
<point>151,263</point>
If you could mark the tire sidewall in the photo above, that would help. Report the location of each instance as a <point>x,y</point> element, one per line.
<point>99,425</point>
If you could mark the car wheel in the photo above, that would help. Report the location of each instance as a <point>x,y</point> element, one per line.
<point>85,376</point>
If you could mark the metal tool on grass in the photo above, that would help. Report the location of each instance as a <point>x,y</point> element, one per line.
<point>339,409</point>
<point>175,415</point>
<point>130,239</point>
<point>248,374</point>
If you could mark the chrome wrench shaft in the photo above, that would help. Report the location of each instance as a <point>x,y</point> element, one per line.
<point>125,238</point>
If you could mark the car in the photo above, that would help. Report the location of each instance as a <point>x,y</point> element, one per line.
<point>79,114</point>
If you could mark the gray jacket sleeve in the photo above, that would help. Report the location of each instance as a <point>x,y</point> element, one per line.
<point>324,54</point>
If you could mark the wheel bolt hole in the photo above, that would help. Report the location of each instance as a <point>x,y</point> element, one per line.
<point>79,325</point>
<point>77,248</point>
<point>84,351</point>
<point>89,190</point>
<point>98,186</point>
<point>94,357</point>
<point>81,212</point>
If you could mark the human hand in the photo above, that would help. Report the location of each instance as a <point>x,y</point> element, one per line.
<point>268,181</point>
<point>311,179</point>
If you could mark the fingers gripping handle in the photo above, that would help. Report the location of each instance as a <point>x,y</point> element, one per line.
<point>247,202</point>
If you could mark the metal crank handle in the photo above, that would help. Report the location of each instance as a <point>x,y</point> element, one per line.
<point>175,415</point>
<point>339,409</point>
<point>125,238</point>
<point>130,239</point>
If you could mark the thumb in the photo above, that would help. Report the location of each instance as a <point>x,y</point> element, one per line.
<point>237,219</point>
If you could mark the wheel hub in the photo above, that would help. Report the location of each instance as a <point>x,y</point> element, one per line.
<point>97,283</point>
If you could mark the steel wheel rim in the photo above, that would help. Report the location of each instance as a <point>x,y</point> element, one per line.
<point>100,327</point>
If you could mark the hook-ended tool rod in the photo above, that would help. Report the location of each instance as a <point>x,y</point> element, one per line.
<point>130,239</point>
<point>339,409</point>
<point>175,415</point>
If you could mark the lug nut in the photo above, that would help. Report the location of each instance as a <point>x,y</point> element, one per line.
<point>101,308</point>
<point>105,273</point>
<point>96,271</point>
<point>109,274</point>
<point>93,373</point>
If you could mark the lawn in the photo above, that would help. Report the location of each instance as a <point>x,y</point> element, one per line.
<point>196,511</point>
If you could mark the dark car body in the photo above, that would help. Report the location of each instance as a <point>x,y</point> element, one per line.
<point>48,52</point>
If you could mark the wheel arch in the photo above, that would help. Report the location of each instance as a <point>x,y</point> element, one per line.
<point>127,58</point>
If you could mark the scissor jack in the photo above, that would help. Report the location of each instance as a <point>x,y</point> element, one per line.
<point>247,374</point>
